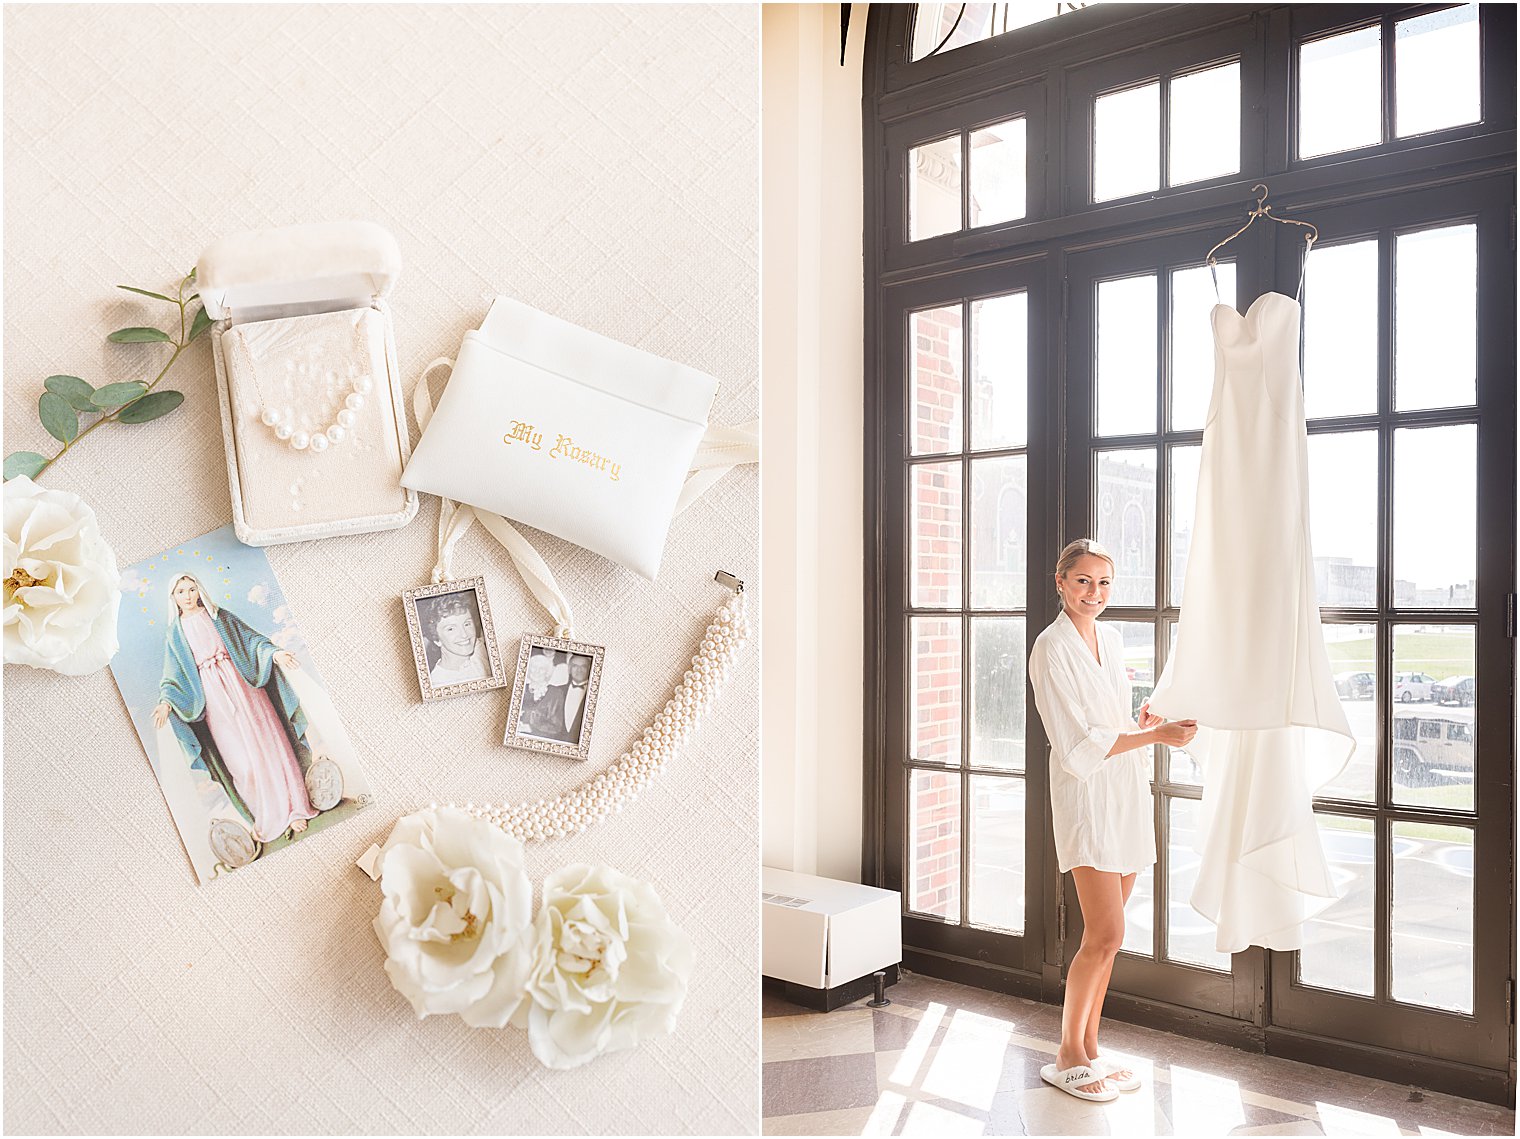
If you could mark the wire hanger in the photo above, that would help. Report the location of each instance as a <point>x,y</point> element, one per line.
<point>1263,210</point>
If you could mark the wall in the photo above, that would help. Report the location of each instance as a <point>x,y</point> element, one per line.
<point>812,458</point>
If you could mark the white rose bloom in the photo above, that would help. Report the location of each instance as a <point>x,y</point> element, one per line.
<point>456,916</point>
<point>61,582</point>
<point>609,967</point>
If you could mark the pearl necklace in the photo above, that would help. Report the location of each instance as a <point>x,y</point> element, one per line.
<point>304,370</point>
<point>282,420</point>
<point>621,782</point>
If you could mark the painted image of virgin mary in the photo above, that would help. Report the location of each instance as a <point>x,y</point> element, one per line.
<point>234,712</point>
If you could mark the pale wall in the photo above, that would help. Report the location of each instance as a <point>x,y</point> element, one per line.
<point>812,461</point>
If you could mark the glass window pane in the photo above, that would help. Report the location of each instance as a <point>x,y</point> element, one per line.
<point>1353,661</point>
<point>1437,71</point>
<point>998,173</point>
<point>1000,371</point>
<point>934,341</point>
<point>1340,93</point>
<point>997,853</point>
<point>1184,768</point>
<point>1341,330</point>
<point>1434,715</point>
<point>1139,665</point>
<point>998,538</point>
<point>934,837</point>
<point>1337,952</point>
<point>934,188</point>
<point>1435,517</point>
<point>1189,935</point>
<point>1433,916</point>
<point>1126,522</point>
<point>1139,915</point>
<point>997,694</point>
<point>1343,498</point>
<point>934,691</point>
<point>1435,317</point>
<point>1126,320</point>
<point>1204,139</point>
<point>1127,142</point>
<point>938,28</point>
<point>936,522</point>
<point>1192,340</point>
<point>1184,492</point>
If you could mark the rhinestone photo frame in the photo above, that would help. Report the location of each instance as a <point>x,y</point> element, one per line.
<point>521,732</point>
<point>433,679</point>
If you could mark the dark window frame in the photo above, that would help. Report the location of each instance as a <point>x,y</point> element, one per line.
<point>902,276</point>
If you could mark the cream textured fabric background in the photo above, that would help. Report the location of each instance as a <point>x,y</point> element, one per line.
<point>599,163</point>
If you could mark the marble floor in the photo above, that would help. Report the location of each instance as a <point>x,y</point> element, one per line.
<point>948,1060</point>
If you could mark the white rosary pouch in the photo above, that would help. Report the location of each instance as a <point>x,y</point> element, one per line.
<point>307,380</point>
<point>567,431</point>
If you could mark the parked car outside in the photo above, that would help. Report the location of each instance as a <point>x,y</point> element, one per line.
<point>1431,748</point>
<point>1453,690</point>
<point>1354,685</point>
<point>1411,686</point>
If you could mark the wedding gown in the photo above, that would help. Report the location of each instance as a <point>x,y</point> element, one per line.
<point>1250,663</point>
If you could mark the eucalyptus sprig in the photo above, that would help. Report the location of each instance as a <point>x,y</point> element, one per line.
<point>133,401</point>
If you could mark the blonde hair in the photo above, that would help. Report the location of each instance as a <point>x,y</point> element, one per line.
<point>1080,548</point>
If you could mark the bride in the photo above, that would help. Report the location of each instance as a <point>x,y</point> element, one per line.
<point>233,710</point>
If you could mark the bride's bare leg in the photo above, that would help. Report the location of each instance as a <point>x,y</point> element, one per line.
<point>297,826</point>
<point>1101,896</point>
<point>1090,1034</point>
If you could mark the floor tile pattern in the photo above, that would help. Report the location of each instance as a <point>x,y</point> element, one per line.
<point>948,1060</point>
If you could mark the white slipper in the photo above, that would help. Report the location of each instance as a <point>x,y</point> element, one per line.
<point>1070,1080</point>
<point>1107,1068</point>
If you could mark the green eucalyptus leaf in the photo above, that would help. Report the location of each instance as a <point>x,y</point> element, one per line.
<point>114,395</point>
<point>72,389</point>
<point>139,336</point>
<point>147,293</point>
<point>199,325</point>
<point>27,463</point>
<point>60,420</point>
<point>151,406</point>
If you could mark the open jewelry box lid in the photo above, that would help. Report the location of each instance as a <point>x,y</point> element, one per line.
<point>311,267</point>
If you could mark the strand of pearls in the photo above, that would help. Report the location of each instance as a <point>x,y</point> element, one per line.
<point>620,784</point>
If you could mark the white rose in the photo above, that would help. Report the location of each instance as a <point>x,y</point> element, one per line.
<point>456,916</point>
<point>609,967</point>
<point>61,583</point>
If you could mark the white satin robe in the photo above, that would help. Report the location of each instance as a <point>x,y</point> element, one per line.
<point>1100,805</point>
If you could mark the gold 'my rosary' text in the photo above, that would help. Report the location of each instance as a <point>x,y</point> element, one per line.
<point>564,448</point>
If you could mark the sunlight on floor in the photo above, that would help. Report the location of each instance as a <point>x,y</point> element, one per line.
<point>918,1046</point>
<point>969,1062</point>
<point>884,1115</point>
<point>1349,1121</point>
<point>928,1120</point>
<point>1134,1113</point>
<point>1203,1104</point>
<point>931,1065</point>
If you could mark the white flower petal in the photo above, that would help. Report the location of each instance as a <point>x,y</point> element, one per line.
<point>566,1040</point>
<point>610,966</point>
<point>67,622</point>
<point>456,909</point>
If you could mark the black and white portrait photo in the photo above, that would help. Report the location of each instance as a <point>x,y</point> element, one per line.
<point>555,696</point>
<point>452,639</point>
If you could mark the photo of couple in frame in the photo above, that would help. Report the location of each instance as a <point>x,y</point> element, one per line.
<point>455,653</point>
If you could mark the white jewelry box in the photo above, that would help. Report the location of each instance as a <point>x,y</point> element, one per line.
<point>304,346</point>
